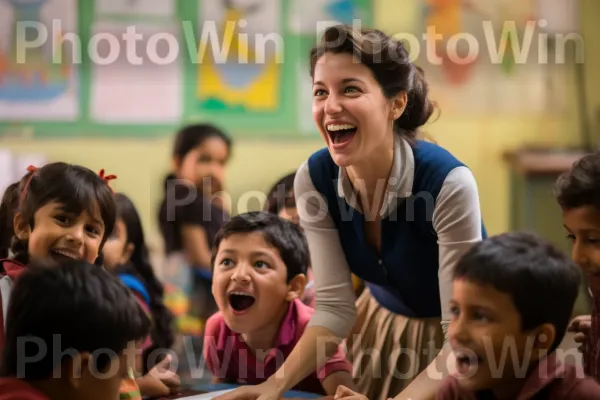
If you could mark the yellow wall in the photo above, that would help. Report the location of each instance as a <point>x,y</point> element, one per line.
<point>478,141</point>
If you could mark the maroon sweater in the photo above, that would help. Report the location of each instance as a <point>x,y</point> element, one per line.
<point>13,270</point>
<point>591,353</point>
<point>552,379</point>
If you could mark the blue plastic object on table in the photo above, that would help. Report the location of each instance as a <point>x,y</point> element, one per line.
<point>227,386</point>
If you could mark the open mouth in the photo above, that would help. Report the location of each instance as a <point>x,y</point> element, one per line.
<point>341,134</point>
<point>467,362</point>
<point>241,301</point>
<point>61,255</point>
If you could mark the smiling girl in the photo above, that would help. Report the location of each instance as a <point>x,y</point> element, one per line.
<point>55,213</point>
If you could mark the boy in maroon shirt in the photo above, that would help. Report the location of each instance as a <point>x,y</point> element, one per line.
<point>512,298</point>
<point>578,194</point>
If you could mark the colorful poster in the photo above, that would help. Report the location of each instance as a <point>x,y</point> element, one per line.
<point>161,8</point>
<point>306,124</point>
<point>143,85</point>
<point>464,62</point>
<point>38,61</point>
<point>321,14</point>
<point>240,57</point>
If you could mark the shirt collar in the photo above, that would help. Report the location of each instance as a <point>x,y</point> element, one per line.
<point>399,184</point>
<point>288,326</point>
<point>285,336</point>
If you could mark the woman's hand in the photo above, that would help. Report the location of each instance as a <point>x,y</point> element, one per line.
<point>268,390</point>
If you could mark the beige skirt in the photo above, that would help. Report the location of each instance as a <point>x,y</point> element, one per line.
<point>388,350</point>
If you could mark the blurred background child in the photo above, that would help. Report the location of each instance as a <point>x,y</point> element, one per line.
<point>191,213</point>
<point>281,201</point>
<point>126,255</point>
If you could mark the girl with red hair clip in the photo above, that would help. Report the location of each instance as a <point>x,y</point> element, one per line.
<point>55,213</point>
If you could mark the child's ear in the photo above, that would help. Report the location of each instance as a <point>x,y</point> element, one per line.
<point>74,368</point>
<point>127,252</point>
<point>296,287</point>
<point>543,338</point>
<point>21,227</point>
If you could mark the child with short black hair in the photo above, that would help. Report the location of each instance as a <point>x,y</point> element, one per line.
<point>97,320</point>
<point>259,275</point>
<point>578,194</point>
<point>513,289</point>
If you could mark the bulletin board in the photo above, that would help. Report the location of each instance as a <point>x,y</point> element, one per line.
<point>183,66</point>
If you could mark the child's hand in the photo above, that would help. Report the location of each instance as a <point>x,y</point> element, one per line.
<point>163,373</point>
<point>581,326</point>
<point>160,381</point>
<point>343,392</point>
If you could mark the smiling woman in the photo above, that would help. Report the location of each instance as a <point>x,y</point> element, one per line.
<point>378,202</point>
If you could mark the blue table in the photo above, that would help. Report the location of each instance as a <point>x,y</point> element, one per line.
<point>226,386</point>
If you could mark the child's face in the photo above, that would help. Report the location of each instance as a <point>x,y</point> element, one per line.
<point>207,160</point>
<point>117,250</point>
<point>290,214</point>
<point>249,283</point>
<point>583,227</point>
<point>59,235</point>
<point>485,335</point>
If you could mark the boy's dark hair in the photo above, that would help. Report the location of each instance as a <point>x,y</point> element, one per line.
<point>281,195</point>
<point>284,235</point>
<point>581,185</point>
<point>542,281</point>
<point>77,187</point>
<point>162,320</point>
<point>83,305</point>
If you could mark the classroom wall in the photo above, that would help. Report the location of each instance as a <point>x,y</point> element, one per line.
<point>479,141</point>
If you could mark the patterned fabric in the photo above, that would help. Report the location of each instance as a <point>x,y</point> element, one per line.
<point>183,296</point>
<point>591,355</point>
<point>129,388</point>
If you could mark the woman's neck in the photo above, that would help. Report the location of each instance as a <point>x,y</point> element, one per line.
<point>370,176</point>
<point>262,340</point>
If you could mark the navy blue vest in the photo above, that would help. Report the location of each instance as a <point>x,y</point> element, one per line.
<point>404,279</point>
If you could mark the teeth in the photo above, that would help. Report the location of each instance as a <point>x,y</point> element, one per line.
<point>66,254</point>
<point>341,127</point>
<point>241,294</point>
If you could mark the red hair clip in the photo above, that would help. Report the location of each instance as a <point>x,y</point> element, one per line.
<point>106,178</point>
<point>31,169</point>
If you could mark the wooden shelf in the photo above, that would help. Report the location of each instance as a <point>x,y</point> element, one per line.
<point>542,162</point>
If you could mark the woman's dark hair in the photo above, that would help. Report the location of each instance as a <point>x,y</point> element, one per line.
<point>281,195</point>
<point>139,266</point>
<point>191,136</point>
<point>390,63</point>
<point>77,188</point>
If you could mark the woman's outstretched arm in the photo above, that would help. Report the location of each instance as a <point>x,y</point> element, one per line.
<point>335,309</point>
<point>457,222</point>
